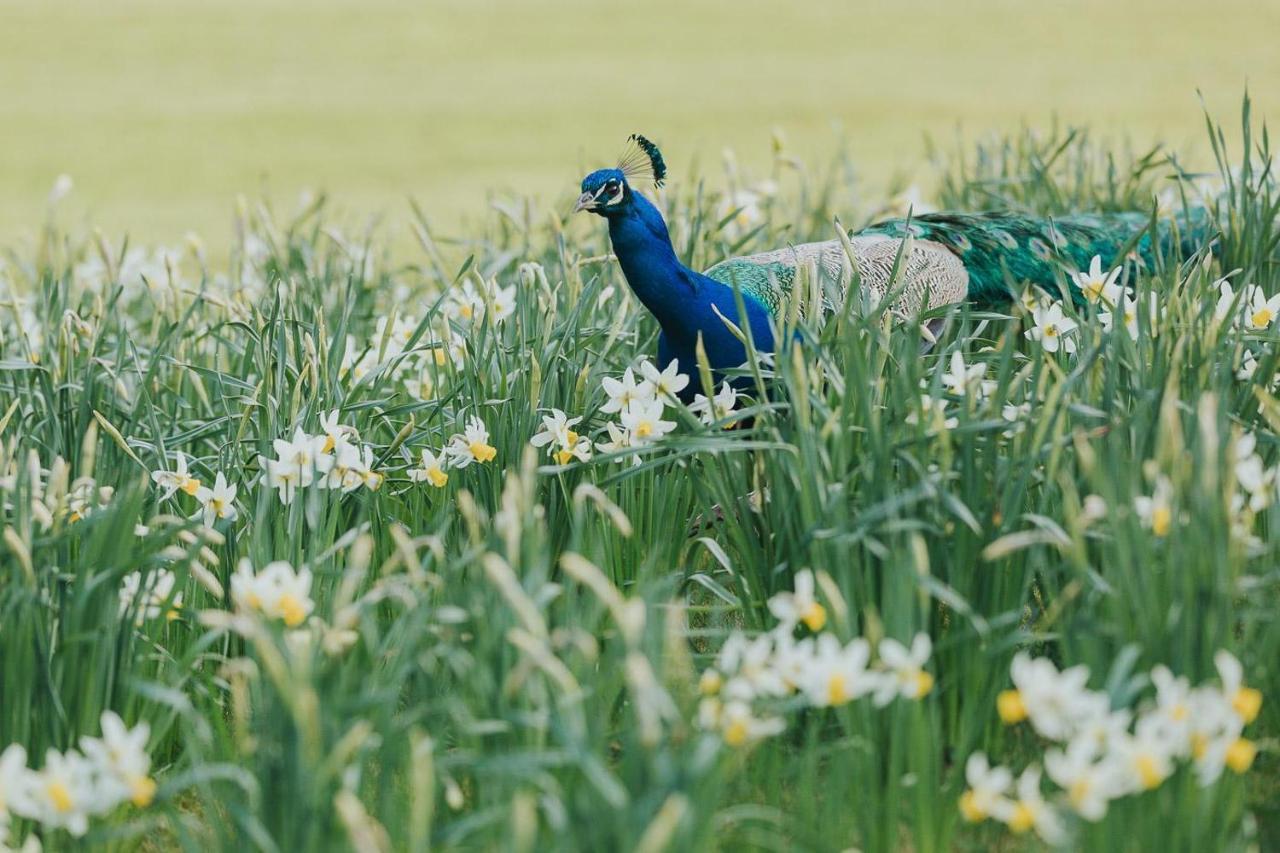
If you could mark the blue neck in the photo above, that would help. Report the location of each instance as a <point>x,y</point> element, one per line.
<point>686,304</point>
<point>643,246</point>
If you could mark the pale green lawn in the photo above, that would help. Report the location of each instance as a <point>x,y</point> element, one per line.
<point>164,111</point>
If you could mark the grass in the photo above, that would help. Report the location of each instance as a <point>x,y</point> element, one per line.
<point>164,112</point>
<point>513,659</point>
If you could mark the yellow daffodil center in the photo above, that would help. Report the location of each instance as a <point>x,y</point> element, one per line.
<point>1247,703</point>
<point>328,444</point>
<point>1051,331</point>
<point>735,734</point>
<point>466,311</point>
<point>922,682</point>
<point>481,451</point>
<point>710,682</point>
<point>562,457</point>
<point>191,485</point>
<point>1199,745</point>
<point>644,429</point>
<point>1022,819</point>
<point>1161,520</point>
<point>254,600</point>
<point>1262,318</point>
<point>969,807</point>
<point>1010,707</point>
<point>1240,755</point>
<point>59,796</point>
<point>814,616</point>
<point>1078,791</point>
<point>1148,772</point>
<point>143,791</point>
<point>291,610</point>
<point>437,477</point>
<point>1178,712</point>
<point>837,690</point>
<point>1093,289</point>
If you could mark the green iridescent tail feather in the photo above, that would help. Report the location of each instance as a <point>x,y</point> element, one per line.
<point>1003,250</point>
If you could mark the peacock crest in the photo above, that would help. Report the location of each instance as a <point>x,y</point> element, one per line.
<point>642,161</point>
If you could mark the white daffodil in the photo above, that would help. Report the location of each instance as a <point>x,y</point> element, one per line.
<point>1144,759</point>
<point>905,676</point>
<point>121,759</point>
<point>1245,701</point>
<point>961,379</point>
<point>749,667</point>
<point>563,443</point>
<point>838,674</point>
<point>277,592</point>
<point>1157,511</point>
<point>718,407</point>
<point>933,414</point>
<point>988,785</point>
<point>176,480</point>
<point>791,608</point>
<point>61,794</point>
<point>432,470</point>
<point>147,603</point>
<point>736,722</point>
<point>643,421</point>
<point>667,383</point>
<point>1055,702</point>
<point>1261,311</point>
<point>218,503</point>
<point>1053,330</point>
<point>1097,286</point>
<point>625,392</point>
<point>503,299</point>
<point>1090,784</point>
<point>1030,811</point>
<point>472,445</point>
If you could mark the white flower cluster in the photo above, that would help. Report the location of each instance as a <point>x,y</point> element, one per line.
<point>1103,292</point>
<point>335,459</point>
<point>1102,753</point>
<point>76,785</point>
<point>147,598</point>
<point>417,367</point>
<point>820,669</point>
<point>462,449</point>
<point>467,304</point>
<point>216,504</point>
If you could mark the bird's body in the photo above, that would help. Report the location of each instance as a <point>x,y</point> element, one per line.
<point>958,257</point>
<point>977,258</point>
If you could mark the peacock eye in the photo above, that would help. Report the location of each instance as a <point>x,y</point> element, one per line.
<point>611,187</point>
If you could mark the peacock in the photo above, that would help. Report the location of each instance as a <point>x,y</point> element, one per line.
<point>951,258</point>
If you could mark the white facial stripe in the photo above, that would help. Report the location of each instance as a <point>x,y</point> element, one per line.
<point>617,198</point>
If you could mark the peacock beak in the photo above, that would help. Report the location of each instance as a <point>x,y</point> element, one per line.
<point>586,201</point>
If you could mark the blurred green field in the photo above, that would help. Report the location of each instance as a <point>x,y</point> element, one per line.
<point>163,111</point>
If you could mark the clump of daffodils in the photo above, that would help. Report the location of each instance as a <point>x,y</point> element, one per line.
<point>1100,753</point>
<point>73,786</point>
<point>334,459</point>
<point>640,405</point>
<point>57,499</point>
<point>752,675</point>
<point>416,365</point>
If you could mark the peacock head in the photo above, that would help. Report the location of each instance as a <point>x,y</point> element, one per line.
<point>608,192</point>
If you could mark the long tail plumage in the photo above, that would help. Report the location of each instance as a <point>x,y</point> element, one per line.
<point>1000,249</point>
